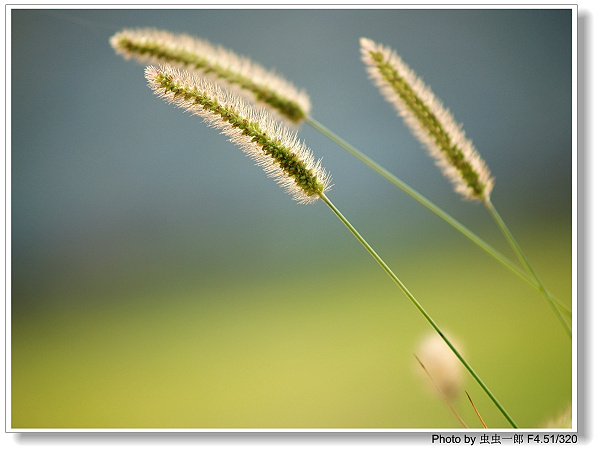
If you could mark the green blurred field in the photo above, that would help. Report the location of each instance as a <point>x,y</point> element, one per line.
<point>334,350</point>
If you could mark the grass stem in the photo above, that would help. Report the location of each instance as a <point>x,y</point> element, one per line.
<point>416,303</point>
<point>521,255</point>
<point>435,209</point>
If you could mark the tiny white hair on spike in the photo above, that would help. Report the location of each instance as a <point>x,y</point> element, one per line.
<point>428,119</point>
<point>274,147</point>
<point>247,78</point>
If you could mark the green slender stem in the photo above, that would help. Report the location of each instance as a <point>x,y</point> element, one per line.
<point>432,207</point>
<point>521,255</point>
<point>416,303</point>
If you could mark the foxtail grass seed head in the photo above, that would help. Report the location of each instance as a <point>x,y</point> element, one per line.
<point>442,366</point>
<point>247,78</point>
<point>271,145</point>
<point>427,118</point>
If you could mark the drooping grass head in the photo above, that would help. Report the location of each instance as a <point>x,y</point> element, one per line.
<point>273,146</point>
<point>246,77</point>
<point>428,120</point>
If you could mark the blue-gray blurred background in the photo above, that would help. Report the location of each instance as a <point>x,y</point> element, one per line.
<point>160,279</point>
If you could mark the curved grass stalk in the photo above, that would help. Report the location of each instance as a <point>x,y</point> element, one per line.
<point>519,252</point>
<point>436,210</point>
<point>434,126</point>
<point>419,307</point>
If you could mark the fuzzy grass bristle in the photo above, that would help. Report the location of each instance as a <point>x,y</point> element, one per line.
<point>271,145</point>
<point>432,124</point>
<point>249,79</point>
